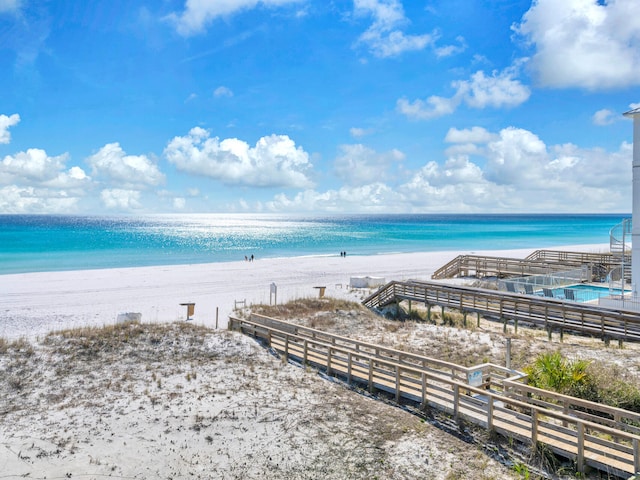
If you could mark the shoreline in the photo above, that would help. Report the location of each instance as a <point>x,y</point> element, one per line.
<point>33,304</point>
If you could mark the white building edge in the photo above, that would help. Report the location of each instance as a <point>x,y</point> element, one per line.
<point>632,301</point>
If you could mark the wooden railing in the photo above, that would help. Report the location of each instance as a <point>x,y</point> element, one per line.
<point>577,258</point>
<point>540,262</point>
<point>516,411</point>
<point>549,313</point>
<point>490,372</point>
<point>483,266</point>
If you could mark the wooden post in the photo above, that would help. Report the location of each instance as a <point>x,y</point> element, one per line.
<point>534,427</point>
<point>490,413</point>
<point>371,375</point>
<point>349,364</point>
<point>304,355</point>
<point>424,390</point>
<point>515,322</point>
<point>580,459</point>
<point>478,320</point>
<point>636,456</point>
<point>456,401</point>
<point>329,361</point>
<point>508,356</point>
<point>398,384</point>
<point>216,318</point>
<point>443,314</point>
<point>286,348</point>
<point>429,313</point>
<point>464,319</point>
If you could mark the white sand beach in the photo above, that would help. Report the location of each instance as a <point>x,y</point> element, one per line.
<point>184,402</point>
<point>34,304</point>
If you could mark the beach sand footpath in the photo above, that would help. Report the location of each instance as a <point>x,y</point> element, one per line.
<point>34,304</point>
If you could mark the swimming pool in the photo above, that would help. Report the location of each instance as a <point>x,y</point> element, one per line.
<point>585,292</point>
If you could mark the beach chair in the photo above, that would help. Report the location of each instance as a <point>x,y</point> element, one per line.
<point>569,294</point>
<point>547,292</point>
<point>528,289</point>
<point>510,287</point>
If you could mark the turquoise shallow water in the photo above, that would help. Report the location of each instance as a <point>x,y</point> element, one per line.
<point>30,243</point>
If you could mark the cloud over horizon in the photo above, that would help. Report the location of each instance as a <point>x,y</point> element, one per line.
<point>274,161</point>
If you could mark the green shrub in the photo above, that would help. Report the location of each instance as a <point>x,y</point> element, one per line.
<point>551,371</point>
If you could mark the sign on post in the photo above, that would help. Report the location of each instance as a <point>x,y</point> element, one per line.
<point>474,378</point>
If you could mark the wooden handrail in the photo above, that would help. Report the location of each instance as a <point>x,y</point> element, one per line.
<point>550,313</point>
<point>619,453</point>
<point>539,262</point>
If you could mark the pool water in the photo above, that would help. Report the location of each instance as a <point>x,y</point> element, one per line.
<point>586,293</point>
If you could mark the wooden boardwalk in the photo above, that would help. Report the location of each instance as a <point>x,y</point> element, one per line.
<point>548,313</point>
<point>540,262</point>
<point>486,395</point>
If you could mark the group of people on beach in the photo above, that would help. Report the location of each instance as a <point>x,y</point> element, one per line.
<point>343,254</point>
<point>248,259</point>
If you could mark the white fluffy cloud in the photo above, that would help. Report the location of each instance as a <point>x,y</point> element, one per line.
<point>120,199</point>
<point>511,170</point>
<point>450,50</point>
<point>112,163</point>
<point>372,198</point>
<point>360,132</point>
<point>34,182</point>
<point>198,14</point>
<point>274,161</point>
<point>500,89</point>
<point>15,199</point>
<point>603,117</point>
<point>5,123</point>
<point>179,203</point>
<point>385,37</point>
<point>222,91</point>
<point>432,107</point>
<point>467,141</point>
<point>469,135</point>
<point>9,5</point>
<point>584,43</point>
<point>35,167</point>
<point>360,165</point>
<point>456,186</point>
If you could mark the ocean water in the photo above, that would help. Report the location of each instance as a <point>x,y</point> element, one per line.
<point>31,243</point>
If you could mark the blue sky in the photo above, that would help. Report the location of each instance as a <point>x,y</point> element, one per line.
<point>305,106</point>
